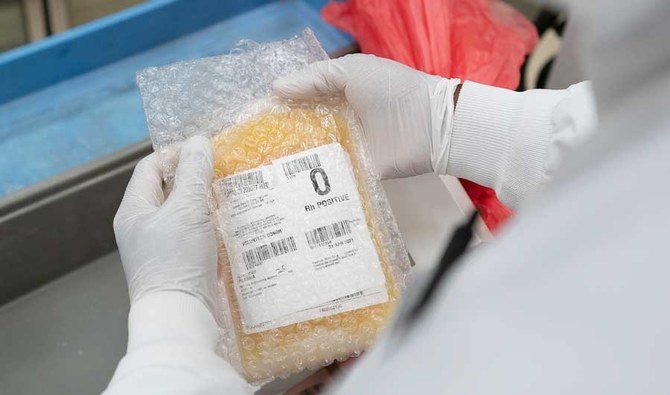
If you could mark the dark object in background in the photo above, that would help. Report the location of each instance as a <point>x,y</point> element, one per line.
<point>548,21</point>
<point>455,249</point>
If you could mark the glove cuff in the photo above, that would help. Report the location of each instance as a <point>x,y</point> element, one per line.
<point>442,114</point>
<point>171,317</point>
<point>500,138</point>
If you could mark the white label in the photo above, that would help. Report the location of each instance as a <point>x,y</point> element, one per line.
<point>297,239</point>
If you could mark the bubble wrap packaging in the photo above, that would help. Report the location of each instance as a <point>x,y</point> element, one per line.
<point>311,263</point>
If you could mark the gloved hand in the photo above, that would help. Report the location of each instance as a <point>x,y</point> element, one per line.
<point>407,115</point>
<point>169,244</point>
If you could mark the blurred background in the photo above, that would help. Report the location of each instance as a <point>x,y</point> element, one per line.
<point>24,21</point>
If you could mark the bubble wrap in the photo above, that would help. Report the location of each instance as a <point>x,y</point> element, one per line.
<point>261,145</point>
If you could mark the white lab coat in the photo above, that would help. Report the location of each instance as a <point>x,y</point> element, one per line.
<point>572,296</point>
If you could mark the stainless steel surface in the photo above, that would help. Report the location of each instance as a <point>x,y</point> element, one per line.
<point>66,337</point>
<point>63,223</point>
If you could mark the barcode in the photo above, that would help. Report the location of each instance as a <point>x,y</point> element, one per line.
<point>257,255</point>
<point>294,166</point>
<point>336,303</point>
<point>324,234</point>
<point>243,180</point>
<point>353,295</point>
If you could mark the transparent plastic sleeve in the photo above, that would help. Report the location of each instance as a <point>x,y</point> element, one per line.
<point>311,263</point>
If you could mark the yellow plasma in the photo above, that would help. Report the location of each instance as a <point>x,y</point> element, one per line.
<point>283,351</point>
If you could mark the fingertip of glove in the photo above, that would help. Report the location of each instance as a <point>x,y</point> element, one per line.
<point>196,161</point>
<point>197,146</point>
<point>302,84</point>
<point>286,87</point>
<point>148,164</point>
<point>197,143</point>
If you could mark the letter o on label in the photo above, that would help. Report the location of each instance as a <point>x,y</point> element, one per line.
<point>320,189</point>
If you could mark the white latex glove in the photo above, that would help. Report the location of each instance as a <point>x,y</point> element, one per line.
<point>407,115</point>
<point>169,244</point>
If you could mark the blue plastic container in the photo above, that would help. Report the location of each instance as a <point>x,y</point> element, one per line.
<point>71,98</point>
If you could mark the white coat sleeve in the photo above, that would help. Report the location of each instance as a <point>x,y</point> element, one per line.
<point>171,342</point>
<point>513,141</point>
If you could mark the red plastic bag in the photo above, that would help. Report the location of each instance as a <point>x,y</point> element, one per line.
<point>478,40</point>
